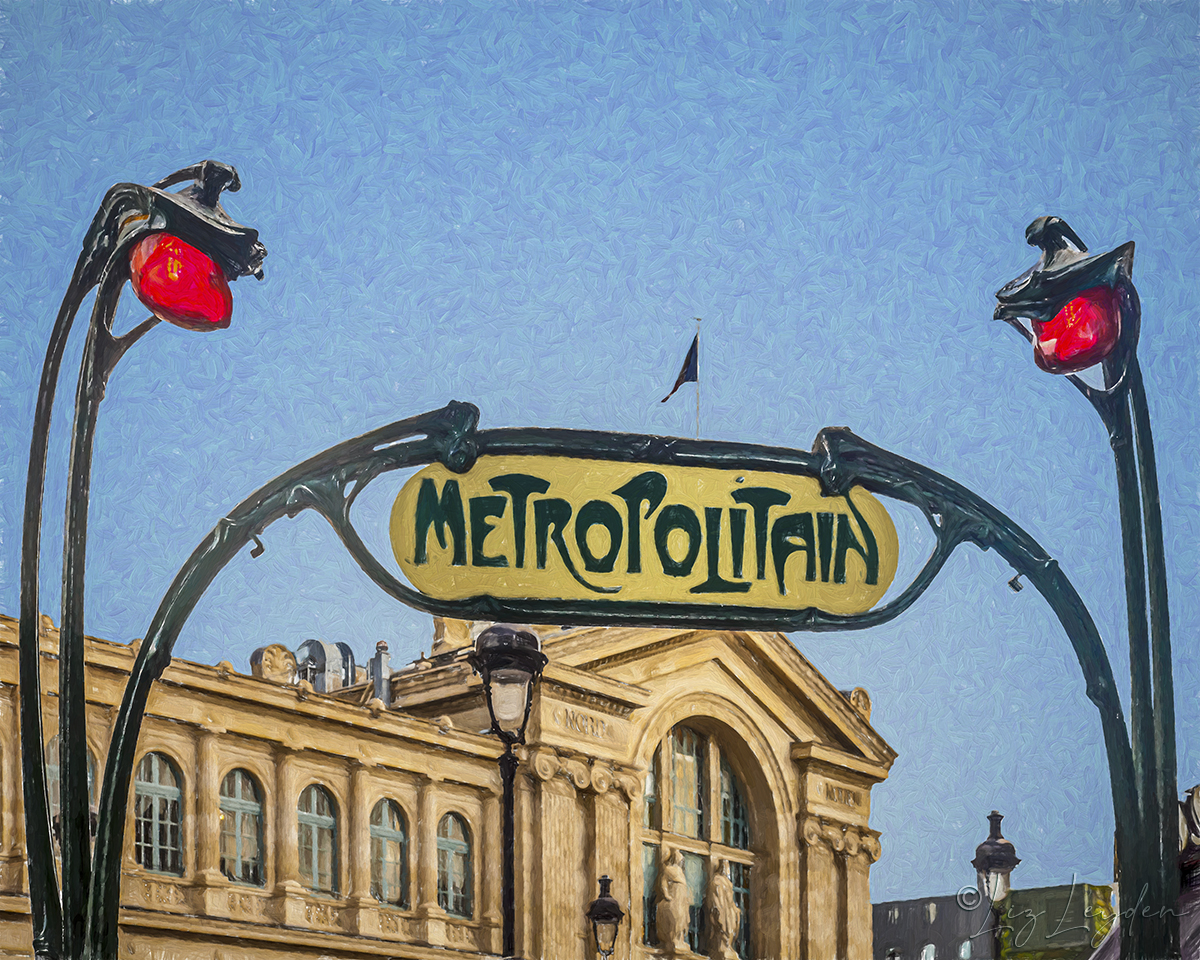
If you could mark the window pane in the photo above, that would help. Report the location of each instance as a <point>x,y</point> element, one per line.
<point>652,806</point>
<point>687,782</point>
<point>241,829</point>
<point>389,854</point>
<point>454,867</point>
<point>158,844</point>
<point>739,873</point>
<point>735,821</point>
<point>317,827</point>
<point>649,893</point>
<point>695,874</point>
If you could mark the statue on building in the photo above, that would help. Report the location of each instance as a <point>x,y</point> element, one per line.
<point>274,662</point>
<point>724,915</point>
<point>671,916</point>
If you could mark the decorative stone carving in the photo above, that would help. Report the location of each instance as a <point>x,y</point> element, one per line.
<point>450,634</point>
<point>671,916</point>
<point>871,847</point>
<point>860,700</point>
<point>724,915</point>
<point>602,777</point>
<point>274,662</point>
<point>841,838</point>
<point>631,783</point>
<point>544,762</point>
<point>810,830</point>
<point>577,772</point>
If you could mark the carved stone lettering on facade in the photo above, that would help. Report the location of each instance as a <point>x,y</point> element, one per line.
<point>579,722</point>
<point>841,795</point>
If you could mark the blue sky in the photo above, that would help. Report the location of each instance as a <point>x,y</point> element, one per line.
<point>523,205</point>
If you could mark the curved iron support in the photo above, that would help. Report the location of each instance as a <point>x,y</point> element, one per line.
<point>1149,874</point>
<point>329,483</point>
<point>128,213</point>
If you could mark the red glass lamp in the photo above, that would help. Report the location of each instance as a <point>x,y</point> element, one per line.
<point>1084,332</point>
<point>179,283</point>
<point>1083,309</point>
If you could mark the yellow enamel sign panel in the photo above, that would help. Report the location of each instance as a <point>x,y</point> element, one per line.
<point>543,527</point>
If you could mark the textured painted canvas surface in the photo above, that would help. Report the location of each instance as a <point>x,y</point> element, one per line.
<point>523,205</point>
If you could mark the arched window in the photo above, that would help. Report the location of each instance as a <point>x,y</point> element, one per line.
<point>158,815</point>
<point>317,821</point>
<point>241,829</point>
<point>696,806</point>
<point>454,866</point>
<point>54,786</point>
<point>389,854</point>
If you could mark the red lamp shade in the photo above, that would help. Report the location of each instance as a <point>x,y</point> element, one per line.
<point>180,284</point>
<point>1082,333</point>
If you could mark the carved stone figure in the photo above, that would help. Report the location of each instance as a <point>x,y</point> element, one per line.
<point>275,662</point>
<point>671,916</point>
<point>724,915</point>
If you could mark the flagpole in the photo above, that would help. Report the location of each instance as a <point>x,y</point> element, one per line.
<point>697,378</point>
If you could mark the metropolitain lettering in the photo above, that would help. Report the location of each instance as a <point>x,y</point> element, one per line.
<point>743,534</point>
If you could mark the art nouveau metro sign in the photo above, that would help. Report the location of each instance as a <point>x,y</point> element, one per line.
<point>595,531</point>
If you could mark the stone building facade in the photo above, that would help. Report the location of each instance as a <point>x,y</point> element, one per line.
<point>312,808</point>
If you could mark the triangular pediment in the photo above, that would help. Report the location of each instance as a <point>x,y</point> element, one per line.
<point>762,671</point>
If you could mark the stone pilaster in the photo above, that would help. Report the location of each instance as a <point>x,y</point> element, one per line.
<point>561,854</point>
<point>12,815</point>
<point>862,849</point>
<point>432,925</point>
<point>209,879</point>
<point>492,873</point>
<point>288,893</point>
<point>359,816</point>
<point>609,813</point>
<point>362,913</point>
<point>820,889</point>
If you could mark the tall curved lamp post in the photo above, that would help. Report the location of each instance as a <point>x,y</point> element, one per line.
<point>994,862</point>
<point>178,251</point>
<point>509,661</point>
<point>1084,311</point>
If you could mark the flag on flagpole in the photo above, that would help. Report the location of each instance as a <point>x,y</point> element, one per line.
<point>690,372</point>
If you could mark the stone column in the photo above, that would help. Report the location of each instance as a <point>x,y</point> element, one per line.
<point>213,899</point>
<point>12,816</point>
<point>363,912</point>
<point>561,855</point>
<point>360,832</point>
<point>432,922</point>
<point>208,807</point>
<point>819,892</point>
<point>862,850</point>
<point>492,871</point>
<point>289,893</point>
<point>611,831</point>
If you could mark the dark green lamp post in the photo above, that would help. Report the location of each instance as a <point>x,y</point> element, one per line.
<point>1083,311</point>
<point>509,660</point>
<point>995,860</point>
<point>178,251</point>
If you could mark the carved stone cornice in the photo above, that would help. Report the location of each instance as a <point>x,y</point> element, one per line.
<point>567,694</point>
